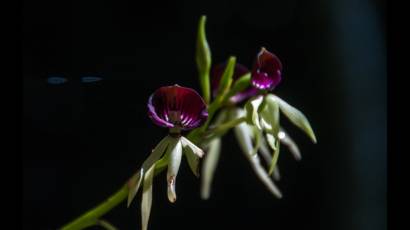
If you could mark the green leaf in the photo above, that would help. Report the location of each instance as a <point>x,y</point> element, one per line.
<point>209,166</point>
<point>275,157</point>
<point>226,79</point>
<point>173,168</point>
<point>147,197</point>
<point>239,85</point>
<point>203,59</point>
<point>252,111</point>
<point>296,117</point>
<point>133,185</point>
<point>242,133</point>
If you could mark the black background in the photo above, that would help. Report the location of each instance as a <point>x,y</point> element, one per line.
<point>81,141</point>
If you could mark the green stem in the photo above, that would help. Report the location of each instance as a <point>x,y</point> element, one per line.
<point>223,128</point>
<point>90,218</point>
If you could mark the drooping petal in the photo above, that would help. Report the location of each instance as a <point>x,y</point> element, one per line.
<point>290,143</point>
<point>267,71</point>
<point>147,197</point>
<point>295,116</point>
<point>133,185</point>
<point>209,167</point>
<point>242,133</point>
<point>176,106</point>
<point>173,168</point>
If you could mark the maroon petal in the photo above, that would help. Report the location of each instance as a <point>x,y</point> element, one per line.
<point>267,71</point>
<point>239,71</point>
<point>176,106</point>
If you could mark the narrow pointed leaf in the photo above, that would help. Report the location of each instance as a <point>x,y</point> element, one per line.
<point>209,166</point>
<point>146,202</point>
<point>239,85</point>
<point>296,117</point>
<point>252,113</point>
<point>274,157</point>
<point>245,142</point>
<point>226,79</point>
<point>158,151</point>
<point>288,141</point>
<point>203,59</point>
<point>173,167</point>
<point>133,185</point>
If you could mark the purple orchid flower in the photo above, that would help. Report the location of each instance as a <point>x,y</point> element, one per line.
<point>239,71</point>
<point>177,107</point>
<point>267,71</point>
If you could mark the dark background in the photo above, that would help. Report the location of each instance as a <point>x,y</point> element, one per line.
<point>81,141</point>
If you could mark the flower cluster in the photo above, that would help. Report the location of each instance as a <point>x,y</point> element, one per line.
<point>233,97</point>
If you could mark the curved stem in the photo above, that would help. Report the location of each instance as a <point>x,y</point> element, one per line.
<point>91,217</point>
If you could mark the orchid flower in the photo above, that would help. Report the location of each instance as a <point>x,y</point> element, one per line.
<point>178,109</point>
<point>239,100</point>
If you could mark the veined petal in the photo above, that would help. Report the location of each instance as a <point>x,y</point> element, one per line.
<point>172,106</point>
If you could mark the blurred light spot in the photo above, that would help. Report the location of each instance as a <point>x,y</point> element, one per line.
<point>56,80</point>
<point>281,135</point>
<point>90,79</point>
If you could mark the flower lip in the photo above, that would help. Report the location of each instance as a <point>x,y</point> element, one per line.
<point>177,107</point>
<point>239,71</point>
<point>267,70</point>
